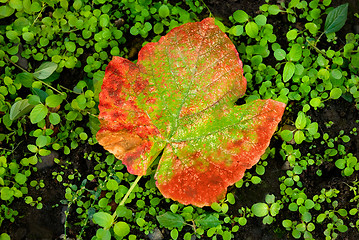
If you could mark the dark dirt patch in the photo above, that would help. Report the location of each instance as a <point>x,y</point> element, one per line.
<point>224,9</point>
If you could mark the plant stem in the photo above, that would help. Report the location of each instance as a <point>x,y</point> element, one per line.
<point>128,194</point>
<point>130,190</point>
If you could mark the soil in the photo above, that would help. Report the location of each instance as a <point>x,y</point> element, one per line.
<point>48,222</point>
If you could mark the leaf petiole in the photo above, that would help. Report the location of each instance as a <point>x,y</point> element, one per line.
<point>128,193</point>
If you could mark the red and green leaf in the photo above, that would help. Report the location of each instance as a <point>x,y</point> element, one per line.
<point>179,98</point>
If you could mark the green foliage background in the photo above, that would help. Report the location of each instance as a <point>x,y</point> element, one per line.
<point>53,54</point>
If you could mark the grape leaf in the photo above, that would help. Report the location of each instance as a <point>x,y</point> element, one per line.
<point>179,100</point>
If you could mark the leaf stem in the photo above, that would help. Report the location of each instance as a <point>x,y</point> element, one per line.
<point>130,190</point>
<point>38,15</point>
<point>128,194</point>
<point>210,13</point>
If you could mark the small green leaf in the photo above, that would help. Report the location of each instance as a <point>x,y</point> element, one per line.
<point>38,113</point>
<point>70,46</point>
<point>121,229</point>
<point>53,100</point>
<point>236,30</point>
<point>28,36</point>
<point>340,163</point>
<point>273,9</point>
<point>6,193</point>
<point>315,102</point>
<point>312,128</point>
<point>287,223</point>
<point>103,219</point>
<point>336,19</point>
<point>163,11</point>
<point>112,185</point>
<point>158,28</point>
<point>301,121</point>
<point>5,236</point>
<point>295,53</point>
<point>174,234</point>
<point>337,74</point>
<point>20,108</point>
<point>41,141</point>
<point>6,11</point>
<point>292,34</point>
<point>170,219</point>
<point>312,27</point>
<point>260,209</point>
<point>54,118</point>
<point>25,79</point>
<point>256,180</point>
<point>279,54</point>
<point>299,137</point>
<point>104,20</point>
<point>335,93</point>
<point>286,135</point>
<point>288,72</point>
<point>252,29</point>
<point>261,20</point>
<point>20,178</point>
<point>45,70</point>
<point>103,234</point>
<point>240,16</point>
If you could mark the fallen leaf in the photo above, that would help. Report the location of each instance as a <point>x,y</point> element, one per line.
<point>179,100</point>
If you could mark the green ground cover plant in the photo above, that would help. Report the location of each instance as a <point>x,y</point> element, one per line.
<point>53,56</point>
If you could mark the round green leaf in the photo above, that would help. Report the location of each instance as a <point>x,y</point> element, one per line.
<point>301,121</point>
<point>164,11</point>
<point>287,223</point>
<point>292,34</point>
<point>260,209</point>
<point>38,113</point>
<point>41,141</point>
<point>20,178</point>
<point>103,219</point>
<point>261,20</point>
<point>312,27</point>
<point>337,74</point>
<point>6,11</point>
<point>299,137</point>
<point>53,100</point>
<point>28,36</point>
<point>273,9</point>
<point>5,236</point>
<point>158,28</point>
<point>121,229</point>
<point>70,46</point>
<point>112,185</point>
<point>335,93</point>
<point>315,102</point>
<point>54,118</point>
<point>286,135</point>
<point>240,16</point>
<point>236,30</point>
<point>256,180</point>
<point>104,20</point>
<point>279,54</point>
<point>6,193</point>
<point>252,29</point>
